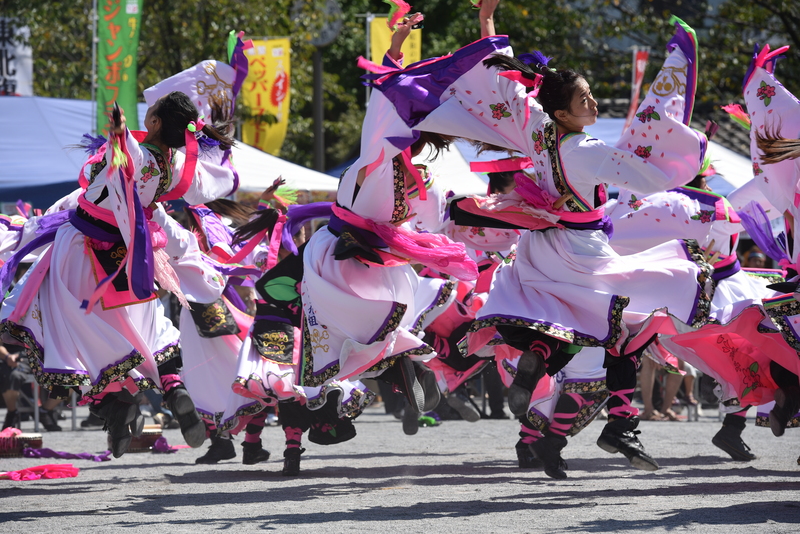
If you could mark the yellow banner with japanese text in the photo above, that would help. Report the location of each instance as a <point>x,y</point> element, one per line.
<point>266,92</point>
<point>380,38</point>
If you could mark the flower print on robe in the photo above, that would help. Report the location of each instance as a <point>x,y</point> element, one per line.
<point>566,281</point>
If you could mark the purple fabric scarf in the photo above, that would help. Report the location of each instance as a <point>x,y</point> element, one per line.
<point>757,224</point>
<point>50,453</point>
<point>416,90</point>
<point>300,214</point>
<point>45,234</point>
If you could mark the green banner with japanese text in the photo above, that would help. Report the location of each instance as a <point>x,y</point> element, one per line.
<point>118,35</point>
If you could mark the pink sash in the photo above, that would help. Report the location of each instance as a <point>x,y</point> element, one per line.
<point>432,250</point>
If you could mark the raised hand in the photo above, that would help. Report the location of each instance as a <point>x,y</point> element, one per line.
<point>401,32</point>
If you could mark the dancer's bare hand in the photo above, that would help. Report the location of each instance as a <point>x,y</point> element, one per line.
<point>402,32</point>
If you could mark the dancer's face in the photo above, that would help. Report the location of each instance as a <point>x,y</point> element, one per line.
<point>151,121</point>
<point>582,110</point>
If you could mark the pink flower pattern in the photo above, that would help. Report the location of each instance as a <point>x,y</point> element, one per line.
<point>643,151</point>
<point>499,111</point>
<point>704,216</point>
<point>647,114</point>
<point>634,203</point>
<point>538,142</point>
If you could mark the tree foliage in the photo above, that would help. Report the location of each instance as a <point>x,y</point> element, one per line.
<point>593,37</point>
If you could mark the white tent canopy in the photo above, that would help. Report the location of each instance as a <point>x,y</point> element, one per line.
<point>257,170</point>
<point>38,130</point>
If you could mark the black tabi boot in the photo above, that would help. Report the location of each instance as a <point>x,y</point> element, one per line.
<point>182,407</point>
<point>548,450</point>
<point>220,449</point>
<point>620,435</point>
<point>530,369</point>
<point>254,453</point>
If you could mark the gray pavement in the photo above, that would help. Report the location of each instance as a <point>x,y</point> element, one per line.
<point>458,477</point>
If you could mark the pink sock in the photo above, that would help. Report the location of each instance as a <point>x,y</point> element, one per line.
<point>294,437</point>
<point>528,435</point>
<point>567,408</point>
<point>252,432</point>
<point>170,382</point>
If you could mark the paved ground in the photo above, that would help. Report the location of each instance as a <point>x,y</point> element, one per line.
<point>458,477</point>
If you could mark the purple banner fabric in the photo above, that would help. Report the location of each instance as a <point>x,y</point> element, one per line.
<point>751,68</point>
<point>721,273</point>
<point>213,228</point>
<point>683,40</point>
<point>233,297</point>
<point>605,224</point>
<point>241,65</point>
<point>46,223</point>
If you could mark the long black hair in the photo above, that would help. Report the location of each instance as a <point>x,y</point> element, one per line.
<point>264,220</point>
<point>557,87</point>
<point>434,141</point>
<point>176,111</point>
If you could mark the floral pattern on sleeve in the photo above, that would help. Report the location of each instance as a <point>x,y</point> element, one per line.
<point>765,92</point>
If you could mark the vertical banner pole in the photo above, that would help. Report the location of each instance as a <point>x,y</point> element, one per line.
<point>368,54</point>
<point>319,131</point>
<point>94,66</point>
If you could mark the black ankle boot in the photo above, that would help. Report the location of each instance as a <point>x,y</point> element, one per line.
<point>182,407</point>
<point>530,369</point>
<point>729,439</point>
<point>787,403</point>
<point>525,457</point>
<point>460,402</point>
<point>620,435</point>
<point>220,449</point>
<point>118,416</point>
<point>291,461</point>
<point>48,420</point>
<point>548,450</point>
<point>403,375</point>
<point>12,420</point>
<point>410,421</point>
<point>430,389</point>
<point>254,453</point>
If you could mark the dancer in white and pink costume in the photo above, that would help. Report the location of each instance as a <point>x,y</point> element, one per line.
<point>566,285</point>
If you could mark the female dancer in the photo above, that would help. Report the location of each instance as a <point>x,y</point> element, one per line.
<point>212,333</point>
<point>109,241</point>
<point>775,116</point>
<point>567,285</point>
<point>361,299</point>
<point>270,361</point>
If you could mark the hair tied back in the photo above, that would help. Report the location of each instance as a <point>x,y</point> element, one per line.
<point>536,59</point>
<point>196,126</point>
